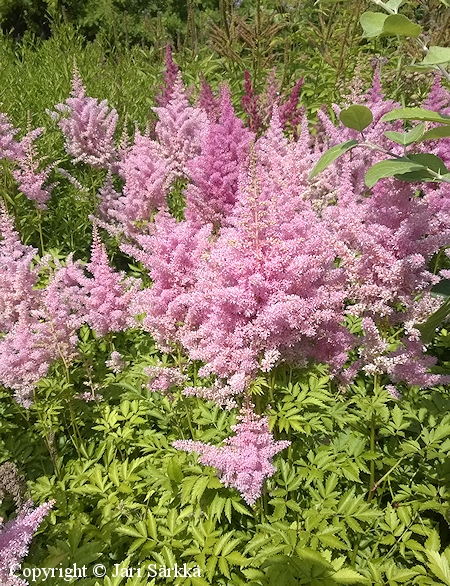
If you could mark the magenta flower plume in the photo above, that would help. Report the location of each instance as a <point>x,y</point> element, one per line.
<point>207,100</point>
<point>250,104</point>
<point>88,127</point>
<point>166,89</point>
<point>245,461</point>
<point>15,539</point>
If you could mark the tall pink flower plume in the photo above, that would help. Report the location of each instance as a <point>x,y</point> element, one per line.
<point>171,254</point>
<point>146,175</point>
<point>15,539</point>
<point>9,147</point>
<point>17,279</point>
<point>166,89</point>
<point>44,332</point>
<point>207,101</point>
<point>107,299</point>
<point>88,127</point>
<point>31,181</point>
<point>269,280</point>
<point>180,129</point>
<point>212,194</point>
<point>245,461</point>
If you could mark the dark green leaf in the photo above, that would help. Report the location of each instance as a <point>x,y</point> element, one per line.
<point>390,168</point>
<point>415,114</point>
<point>441,289</point>
<point>406,138</point>
<point>427,329</point>
<point>430,161</point>
<point>331,155</point>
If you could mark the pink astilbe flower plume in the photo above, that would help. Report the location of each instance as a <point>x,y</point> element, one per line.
<point>269,281</point>
<point>88,127</point>
<point>9,147</point>
<point>17,279</point>
<point>15,539</point>
<point>250,104</point>
<point>31,181</point>
<point>43,333</point>
<point>212,194</point>
<point>163,378</point>
<point>146,175</point>
<point>245,460</point>
<point>171,253</point>
<point>180,129</point>
<point>107,299</point>
<point>166,89</point>
<point>207,100</point>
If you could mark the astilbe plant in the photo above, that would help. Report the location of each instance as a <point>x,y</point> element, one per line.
<point>146,175</point>
<point>15,539</point>
<point>41,325</point>
<point>45,331</point>
<point>167,88</point>
<point>180,129</point>
<point>264,267</point>
<point>107,296</point>
<point>17,279</point>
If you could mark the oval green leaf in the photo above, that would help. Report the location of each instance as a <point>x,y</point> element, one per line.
<point>372,23</point>
<point>415,114</point>
<point>441,289</point>
<point>398,24</point>
<point>436,133</point>
<point>437,56</point>
<point>356,117</point>
<point>394,4</point>
<point>390,168</point>
<point>407,138</point>
<point>430,161</point>
<point>331,155</point>
<point>428,328</point>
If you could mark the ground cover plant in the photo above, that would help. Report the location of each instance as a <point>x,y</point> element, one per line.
<point>223,349</point>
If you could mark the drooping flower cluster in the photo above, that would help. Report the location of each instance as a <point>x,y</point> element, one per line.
<point>15,539</point>
<point>245,460</point>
